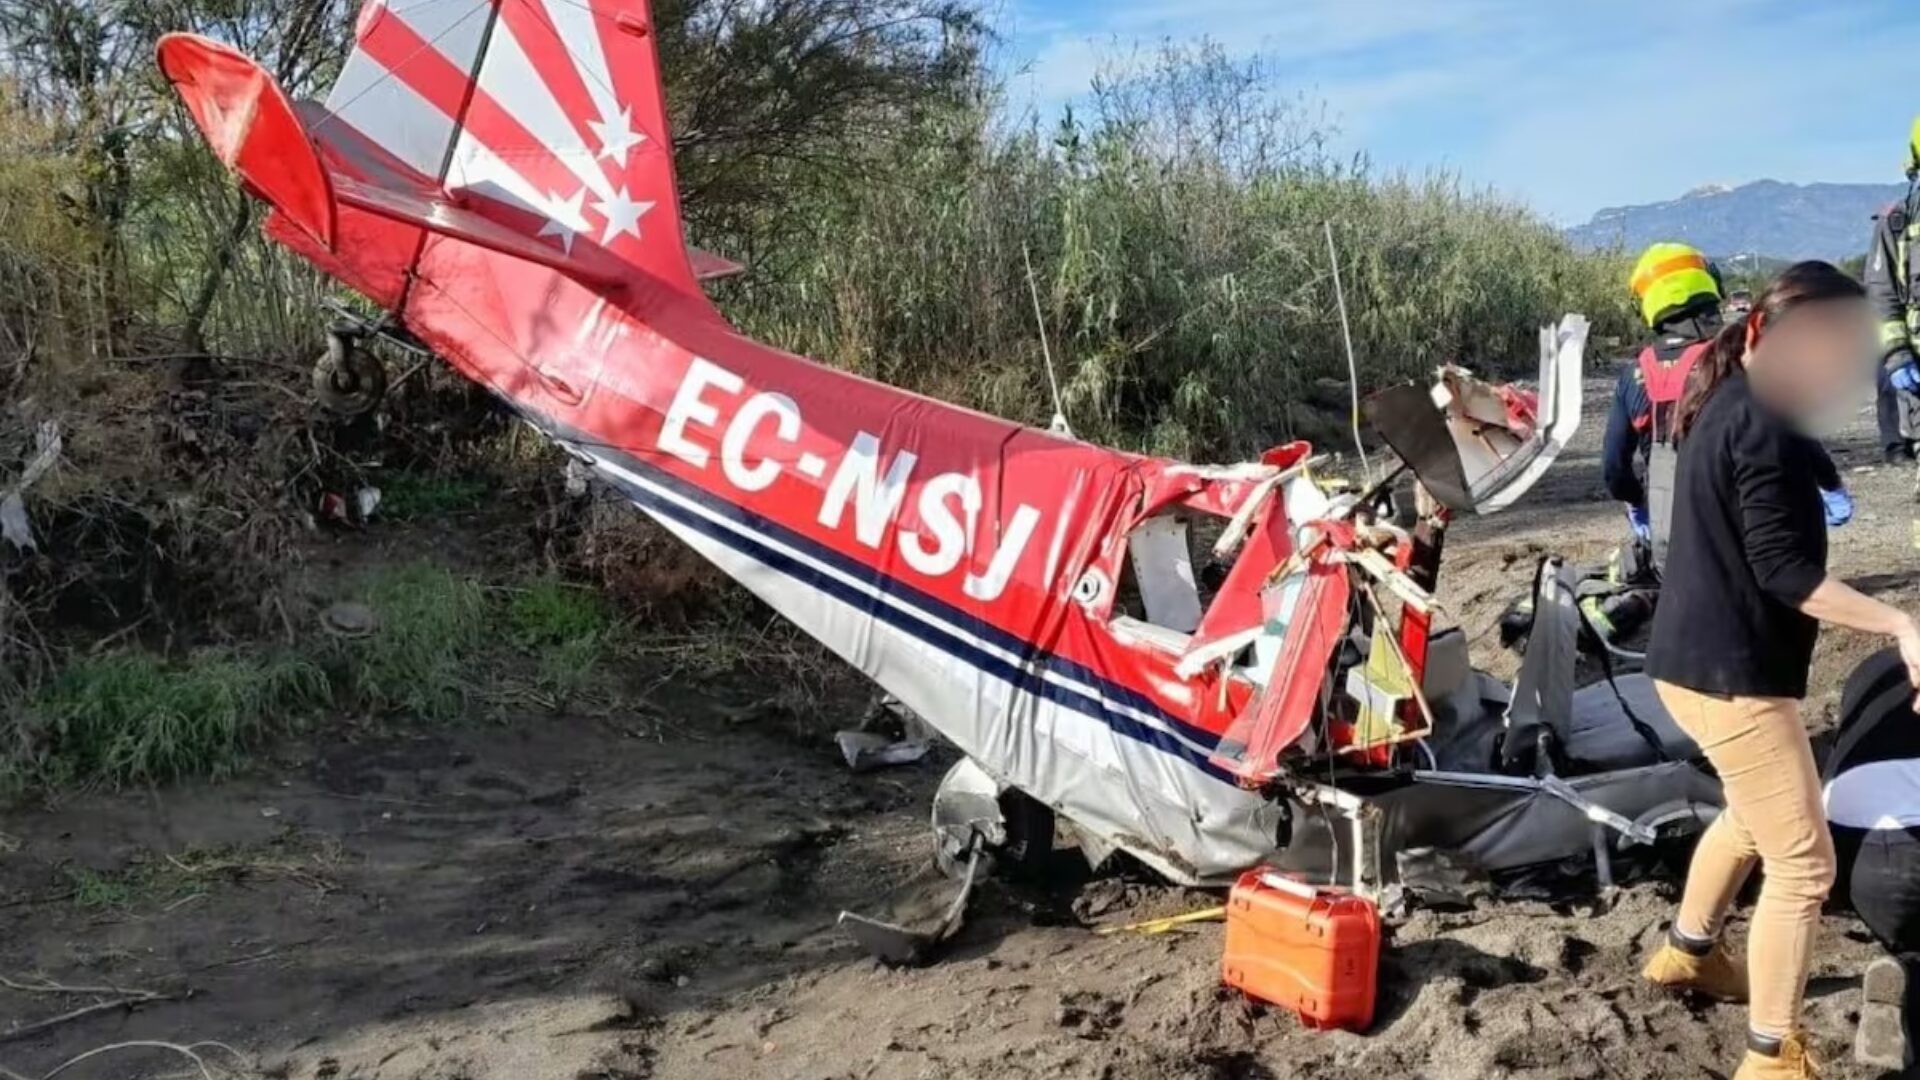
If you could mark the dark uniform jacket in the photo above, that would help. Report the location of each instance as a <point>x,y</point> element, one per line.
<point>1629,438</point>
<point>1893,267</point>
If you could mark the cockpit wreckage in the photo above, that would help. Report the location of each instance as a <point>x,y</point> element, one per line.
<point>496,176</point>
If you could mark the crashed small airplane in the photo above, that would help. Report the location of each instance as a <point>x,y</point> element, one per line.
<point>496,176</point>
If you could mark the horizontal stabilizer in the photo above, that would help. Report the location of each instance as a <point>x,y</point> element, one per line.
<point>441,216</point>
<point>252,129</point>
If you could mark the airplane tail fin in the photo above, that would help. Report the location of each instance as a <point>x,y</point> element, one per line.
<point>533,127</point>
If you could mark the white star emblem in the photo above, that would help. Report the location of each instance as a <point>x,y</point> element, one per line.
<point>566,218</point>
<point>623,215</point>
<point>617,136</point>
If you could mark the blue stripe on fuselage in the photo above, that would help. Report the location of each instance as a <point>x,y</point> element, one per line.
<point>1026,675</point>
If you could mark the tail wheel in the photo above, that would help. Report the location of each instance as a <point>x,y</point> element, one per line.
<point>348,379</point>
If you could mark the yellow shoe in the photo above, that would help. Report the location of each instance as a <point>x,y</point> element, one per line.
<point>1793,1062</point>
<point>1719,974</point>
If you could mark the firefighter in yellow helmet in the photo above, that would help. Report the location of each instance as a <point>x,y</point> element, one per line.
<point>1678,294</point>
<point>1677,291</point>
<point>1891,266</point>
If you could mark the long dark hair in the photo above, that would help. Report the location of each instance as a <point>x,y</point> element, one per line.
<point>1811,282</point>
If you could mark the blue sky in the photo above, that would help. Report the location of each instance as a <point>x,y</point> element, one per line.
<point>1569,105</point>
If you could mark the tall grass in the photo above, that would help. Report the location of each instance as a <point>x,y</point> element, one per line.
<point>442,648</point>
<point>133,718</point>
<point>431,624</point>
<point>1177,232</point>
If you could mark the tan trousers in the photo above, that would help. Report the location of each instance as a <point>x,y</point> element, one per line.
<point>1774,815</point>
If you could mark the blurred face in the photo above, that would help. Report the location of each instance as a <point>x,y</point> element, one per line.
<point>1815,363</point>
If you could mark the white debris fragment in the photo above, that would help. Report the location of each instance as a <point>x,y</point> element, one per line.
<point>866,751</point>
<point>15,526</point>
<point>577,474</point>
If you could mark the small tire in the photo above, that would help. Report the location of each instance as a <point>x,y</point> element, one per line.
<point>347,379</point>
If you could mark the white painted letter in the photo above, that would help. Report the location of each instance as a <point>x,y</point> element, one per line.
<point>733,448</point>
<point>688,406</point>
<point>938,520</point>
<point>876,500</point>
<point>994,582</point>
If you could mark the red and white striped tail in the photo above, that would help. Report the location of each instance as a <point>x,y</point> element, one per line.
<point>533,127</point>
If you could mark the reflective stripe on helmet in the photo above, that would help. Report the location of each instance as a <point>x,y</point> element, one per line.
<point>1669,278</point>
<point>1661,260</point>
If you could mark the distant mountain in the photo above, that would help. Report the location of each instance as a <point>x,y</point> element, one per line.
<point>1766,217</point>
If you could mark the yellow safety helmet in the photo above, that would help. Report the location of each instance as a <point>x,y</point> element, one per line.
<point>1671,278</point>
<point>1913,147</point>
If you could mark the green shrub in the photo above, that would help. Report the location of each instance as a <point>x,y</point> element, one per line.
<point>429,626</point>
<point>134,718</point>
<point>406,496</point>
<point>566,629</point>
<point>554,613</point>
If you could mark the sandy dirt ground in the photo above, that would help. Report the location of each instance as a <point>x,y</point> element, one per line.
<point>652,895</point>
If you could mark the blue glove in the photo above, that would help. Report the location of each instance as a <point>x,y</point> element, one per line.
<point>1905,377</point>
<point>1641,524</point>
<point>1839,507</point>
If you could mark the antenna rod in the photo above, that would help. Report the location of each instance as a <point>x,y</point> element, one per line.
<point>1346,334</point>
<point>1059,425</point>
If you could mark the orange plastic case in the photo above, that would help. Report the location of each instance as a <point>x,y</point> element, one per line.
<point>1312,950</point>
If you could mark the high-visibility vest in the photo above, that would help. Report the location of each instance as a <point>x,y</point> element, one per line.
<point>1665,384</point>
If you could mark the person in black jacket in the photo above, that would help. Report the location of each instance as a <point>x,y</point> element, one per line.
<point>1746,587</point>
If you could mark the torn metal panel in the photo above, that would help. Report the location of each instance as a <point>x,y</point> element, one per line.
<point>1476,446</point>
<point>900,944</point>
